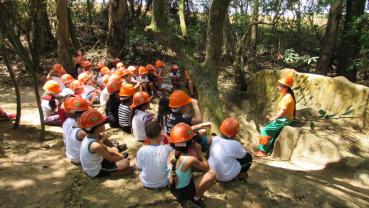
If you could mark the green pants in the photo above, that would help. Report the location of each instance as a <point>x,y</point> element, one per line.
<point>273,129</point>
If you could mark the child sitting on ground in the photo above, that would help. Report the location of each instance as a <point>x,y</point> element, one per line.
<point>55,74</point>
<point>72,133</point>
<point>67,80</point>
<point>50,103</point>
<point>98,160</point>
<point>91,93</point>
<point>228,158</point>
<point>152,159</point>
<point>124,112</point>
<point>77,88</point>
<point>113,103</point>
<point>184,185</point>
<point>141,103</point>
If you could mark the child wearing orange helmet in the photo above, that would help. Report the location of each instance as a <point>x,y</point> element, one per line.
<point>91,92</point>
<point>67,80</point>
<point>180,102</point>
<point>285,116</point>
<point>184,185</point>
<point>113,103</point>
<point>51,102</point>
<point>140,105</point>
<point>97,159</point>
<point>55,74</point>
<point>152,159</point>
<point>124,111</point>
<point>227,157</point>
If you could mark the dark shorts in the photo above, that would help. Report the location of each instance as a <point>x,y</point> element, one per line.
<point>245,162</point>
<point>127,129</point>
<point>203,141</point>
<point>185,193</point>
<point>106,168</point>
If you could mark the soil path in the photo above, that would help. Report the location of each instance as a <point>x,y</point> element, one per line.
<point>34,174</point>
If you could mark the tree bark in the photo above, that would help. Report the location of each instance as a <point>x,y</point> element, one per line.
<point>148,6</point>
<point>47,38</point>
<point>117,27</point>
<point>330,37</point>
<point>228,43</point>
<point>158,18</point>
<point>182,18</point>
<point>350,47</point>
<point>254,26</point>
<point>16,87</point>
<point>72,32</point>
<point>89,11</point>
<point>64,54</point>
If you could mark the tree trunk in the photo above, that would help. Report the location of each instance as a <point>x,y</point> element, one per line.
<point>9,32</point>
<point>207,88</point>
<point>117,27</point>
<point>35,50</point>
<point>89,11</point>
<point>182,18</point>
<point>350,47</point>
<point>16,87</point>
<point>64,54</point>
<point>228,46</point>
<point>254,26</point>
<point>330,37</point>
<point>72,32</point>
<point>47,38</point>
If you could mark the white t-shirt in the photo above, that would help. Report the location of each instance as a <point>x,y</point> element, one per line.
<point>73,145</point>
<point>152,160</point>
<point>91,162</point>
<point>138,125</point>
<point>104,97</point>
<point>67,126</point>
<point>59,80</point>
<point>88,89</point>
<point>223,155</point>
<point>46,109</point>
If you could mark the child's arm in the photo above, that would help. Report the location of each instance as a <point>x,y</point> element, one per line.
<point>197,118</point>
<point>81,135</point>
<point>200,163</point>
<point>201,125</point>
<point>101,150</point>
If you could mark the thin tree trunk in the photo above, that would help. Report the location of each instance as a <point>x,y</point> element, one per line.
<point>330,37</point>
<point>350,47</point>
<point>228,45</point>
<point>254,26</point>
<point>72,32</point>
<point>47,38</point>
<point>16,87</point>
<point>117,28</point>
<point>158,18</point>
<point>89,11</point>
<point>182,18</point>
<point>64,54</point>
<point>9,32</point>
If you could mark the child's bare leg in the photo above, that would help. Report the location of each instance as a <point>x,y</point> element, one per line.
<point>125,167</point>
<point>203,182</point>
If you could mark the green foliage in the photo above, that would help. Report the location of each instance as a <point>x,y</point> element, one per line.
<point>294,59</point>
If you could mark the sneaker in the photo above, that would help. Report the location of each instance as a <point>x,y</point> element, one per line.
<point>10,115</point>
<point>260,154</point>
<point>197,203</point>
<point>122,147</point>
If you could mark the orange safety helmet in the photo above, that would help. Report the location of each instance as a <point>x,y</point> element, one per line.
<point>131,68</point>
<point>105,79</point>
<point>113,86</point>
<point>92,118</point>
<point>181,133</point>
<point>115,77</point>
<point>127,90</point>
<point>159,64</point>
<point>78,60</point>
<point>150,67</point>
<point>104,70</point>
<point>76,104</point>
<point>142,70</point>
<point>67,78</point>
<point>173,67</point>
<point>179,99</point>
<point>118,72</point>
<point>286,81</point>
<point>84,76</point>
<point>230,127</point>
<point>140,98</point>
<point>86,64</point>
<point>100,65</point>
<point>58,68</point>
<point>119,66</point>
<point>125,73</point>
<point>75,85</point>
<point>52,86</point>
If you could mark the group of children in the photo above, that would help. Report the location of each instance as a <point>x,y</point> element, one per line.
<point>175,143</point>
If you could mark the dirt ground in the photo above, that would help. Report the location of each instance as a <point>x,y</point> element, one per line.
<point>34,174</point>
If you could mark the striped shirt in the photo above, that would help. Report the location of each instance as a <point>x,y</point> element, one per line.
<point>124,115</point>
